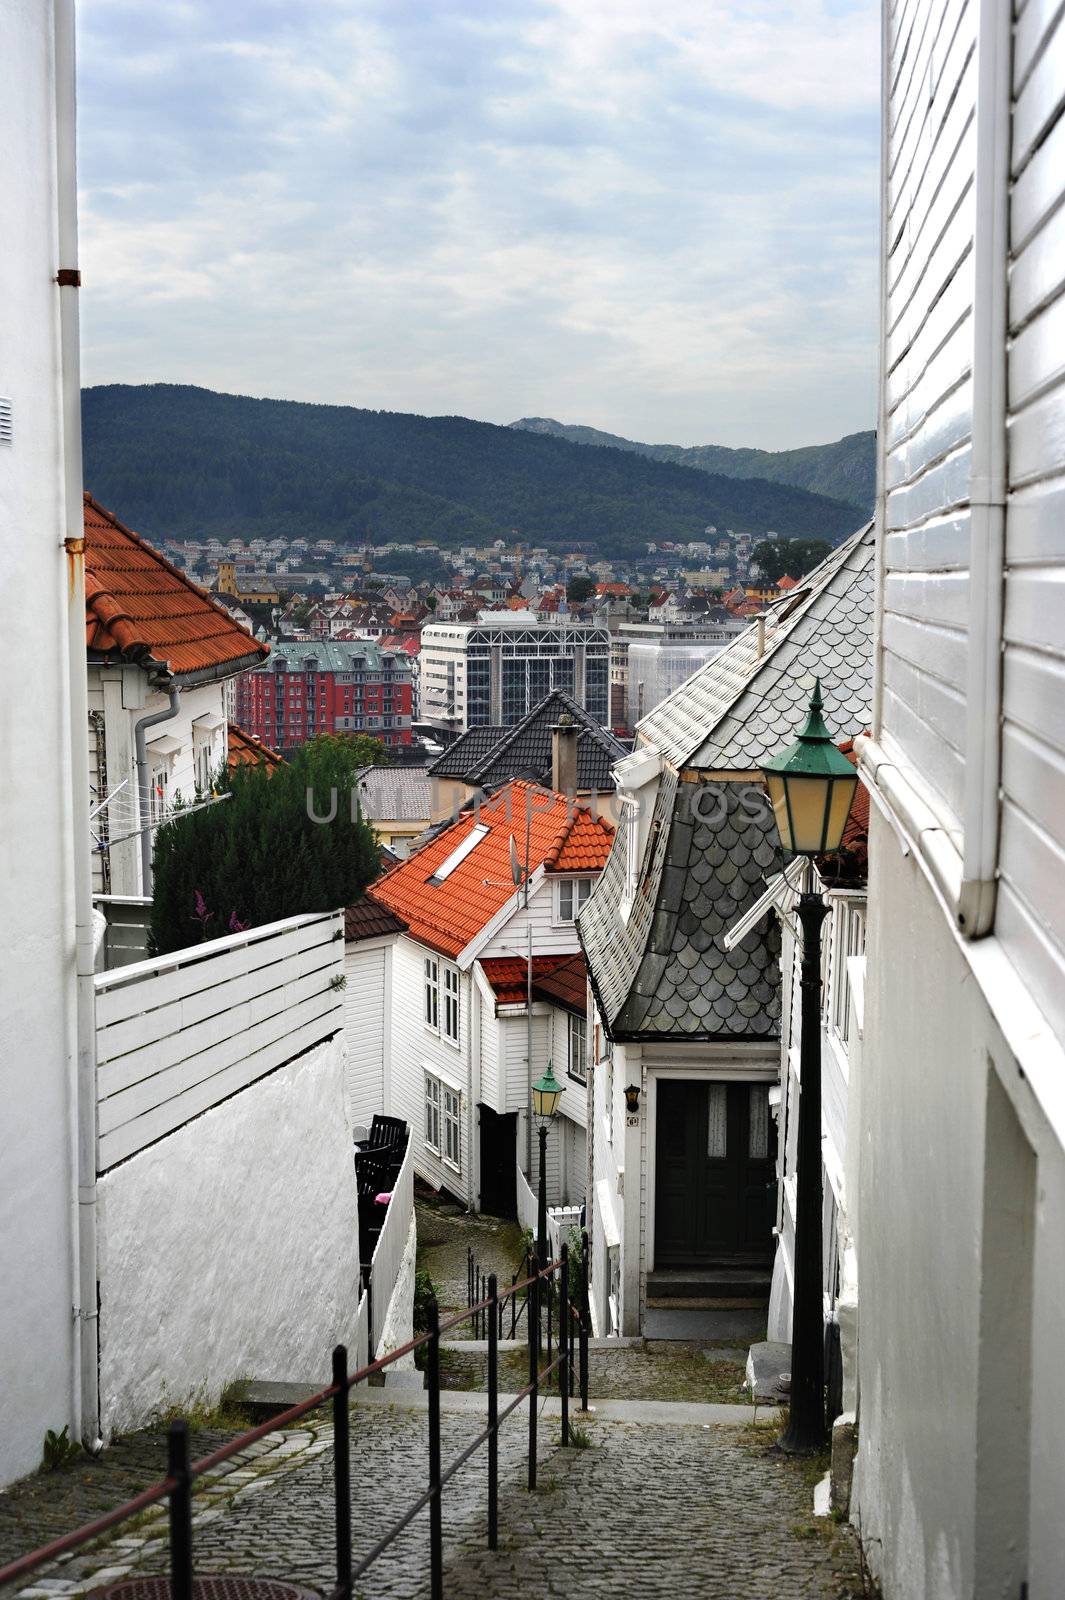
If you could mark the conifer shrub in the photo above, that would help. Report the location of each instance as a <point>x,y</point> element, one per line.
<point>287,841</point>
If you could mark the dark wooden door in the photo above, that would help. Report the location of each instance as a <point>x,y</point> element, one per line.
<point>499,1151</point>
<point>715,1165</point>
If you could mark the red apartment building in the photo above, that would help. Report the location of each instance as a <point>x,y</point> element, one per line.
<point>327,686</point>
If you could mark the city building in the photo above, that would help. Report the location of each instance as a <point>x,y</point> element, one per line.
<point>327,686</point>
<point>659,657</point>
<point>395,801</point>
<point>495,670</point>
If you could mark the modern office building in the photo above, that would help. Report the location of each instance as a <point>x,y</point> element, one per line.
<point>327,686</point>
<point>652,659</point>
<point>495,670</point>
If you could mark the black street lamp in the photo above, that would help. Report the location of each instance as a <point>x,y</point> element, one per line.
<point>811,787</point>
<point>546,1094</point>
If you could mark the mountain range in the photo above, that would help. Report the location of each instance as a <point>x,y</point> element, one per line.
<point>175,460</point>
<point>843,470</point>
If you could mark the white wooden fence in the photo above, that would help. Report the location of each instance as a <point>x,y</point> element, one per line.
<point>176,1035</point>
<point>526,1203</point>
<point>391,1243</point>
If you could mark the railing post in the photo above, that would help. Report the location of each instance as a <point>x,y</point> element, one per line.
<point>532,1307</point>
<point>177,1467</point>
<point>564,1343</point>
<point>585,1321</point>
<point>436,1560</point>
<point>470,1297</point>
<point>342,1469</point>
<point>493,1414</point>
<point>550,1307</point>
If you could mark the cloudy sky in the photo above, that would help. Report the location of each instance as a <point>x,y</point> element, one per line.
<point>656,217</point>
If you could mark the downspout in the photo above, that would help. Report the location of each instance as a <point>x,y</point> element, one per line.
<point>86,1377</point>
<point>140,748</point>
<point>987,489</point>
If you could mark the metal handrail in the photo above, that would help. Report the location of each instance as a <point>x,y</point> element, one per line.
<point>182,1474</point>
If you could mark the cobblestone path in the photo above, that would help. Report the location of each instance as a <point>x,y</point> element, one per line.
<point>635,1372</point>
<point>443,1240</point>
<point>675,1509</point>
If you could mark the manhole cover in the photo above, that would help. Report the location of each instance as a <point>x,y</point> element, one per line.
<point>207,1588</point>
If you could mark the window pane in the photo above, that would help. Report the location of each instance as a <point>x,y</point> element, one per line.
<point>759,1138</point>
<point>565,902</point>
<point>717,1121</point>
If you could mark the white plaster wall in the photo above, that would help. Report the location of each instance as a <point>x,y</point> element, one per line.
<point>951,1419</point>
<point>230,1249</point>
<point>37,1007</point>
<point>398,1325</point>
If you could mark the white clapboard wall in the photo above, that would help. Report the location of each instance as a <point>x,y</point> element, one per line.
<point>175,1036</point>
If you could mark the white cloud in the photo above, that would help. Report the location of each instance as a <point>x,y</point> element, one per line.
<point>658,219</point>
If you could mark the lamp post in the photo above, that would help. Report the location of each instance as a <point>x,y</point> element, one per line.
<point>811,787</point>
<point>546,1093</point>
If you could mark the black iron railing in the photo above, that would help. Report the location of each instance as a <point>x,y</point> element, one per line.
<point>182,1474</point>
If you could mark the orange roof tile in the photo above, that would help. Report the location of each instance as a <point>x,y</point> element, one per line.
<point>141,608</point>
<point>448,913</point>
<point>509,975</point>
<point>245,750</point>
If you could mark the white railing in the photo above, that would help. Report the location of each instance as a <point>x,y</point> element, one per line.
<point>526,1203</point>
<point>561,1220</point>
<point>125,937</point>
<point>177,1034</point>
<point>391,1244</point>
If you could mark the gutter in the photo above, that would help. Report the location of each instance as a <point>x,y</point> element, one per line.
<point>140,745</point>
<point>85,1397</point>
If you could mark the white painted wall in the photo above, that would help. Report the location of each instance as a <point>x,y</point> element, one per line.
<point>230,1248</point>
<point>416,1048</point>
<point>367,1025</point>
<point>962,1387</point>
<point>37,999</point>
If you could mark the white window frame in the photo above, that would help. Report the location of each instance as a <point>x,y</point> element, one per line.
<point>451,1015</point>
<point>431,994</point>
<point>451,1117</point>
<point>571,894</point>
<point>160,772</point>
<point>433,1089</point>
<point>577,1030</point>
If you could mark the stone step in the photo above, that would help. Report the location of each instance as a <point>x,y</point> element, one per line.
<point>738,1286</point>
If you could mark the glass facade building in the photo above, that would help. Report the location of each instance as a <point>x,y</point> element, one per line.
<point>493,672</point>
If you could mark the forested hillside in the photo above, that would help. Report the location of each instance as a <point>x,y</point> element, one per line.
<point>177,460</point>
<point>845,469</point>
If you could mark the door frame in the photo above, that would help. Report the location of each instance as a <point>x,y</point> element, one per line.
<point>732,1072</point>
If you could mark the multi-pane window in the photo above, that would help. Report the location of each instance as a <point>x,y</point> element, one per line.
<point>451,1004</point>
<point>577,1043</point>
<point>432,1113</point>
<point>572,893</point>
<point>158,791</point>
<point>432,993</point>
<point>452,1126</point>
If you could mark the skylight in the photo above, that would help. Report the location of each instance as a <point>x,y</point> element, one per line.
<point>459,854</point>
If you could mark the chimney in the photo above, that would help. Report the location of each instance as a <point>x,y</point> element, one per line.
<point>564,755</point>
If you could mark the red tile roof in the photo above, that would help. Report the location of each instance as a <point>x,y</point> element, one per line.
<point>446,915</point>
<point>139,607</point>
<point>851,865</point>
<point>560,979</point>
<point>245,750</point>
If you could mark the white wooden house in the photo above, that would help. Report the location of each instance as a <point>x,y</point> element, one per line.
<point>960,1475</point>
<point>440,1025</point>
<point>160,653</point>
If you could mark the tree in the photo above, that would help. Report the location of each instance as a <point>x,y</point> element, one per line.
<point>286,840</point>
<point>776,557</point>
<point>579,589</point>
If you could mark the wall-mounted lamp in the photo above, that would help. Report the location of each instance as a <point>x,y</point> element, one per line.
<point>632,1099</point>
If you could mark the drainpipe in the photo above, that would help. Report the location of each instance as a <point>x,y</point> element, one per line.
<point>140,747</point>
<point>85,1379</point>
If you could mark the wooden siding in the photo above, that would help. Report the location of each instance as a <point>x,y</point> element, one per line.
<point>176,1035</point>
<point>1032,845</point>
<point>364,1025</point>
<point>417,1050</point>
<point>927,400</point>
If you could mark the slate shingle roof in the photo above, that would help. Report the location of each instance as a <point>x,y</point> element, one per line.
<point>666,972</point>
<point>489,756</point>
<point>369,919</point>
<point>140,608</point>
<point>738,708</point>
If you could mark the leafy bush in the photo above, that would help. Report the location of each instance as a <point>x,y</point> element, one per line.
<point>261,855</point>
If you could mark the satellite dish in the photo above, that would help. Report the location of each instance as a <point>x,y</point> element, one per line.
<point>515,864</point>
